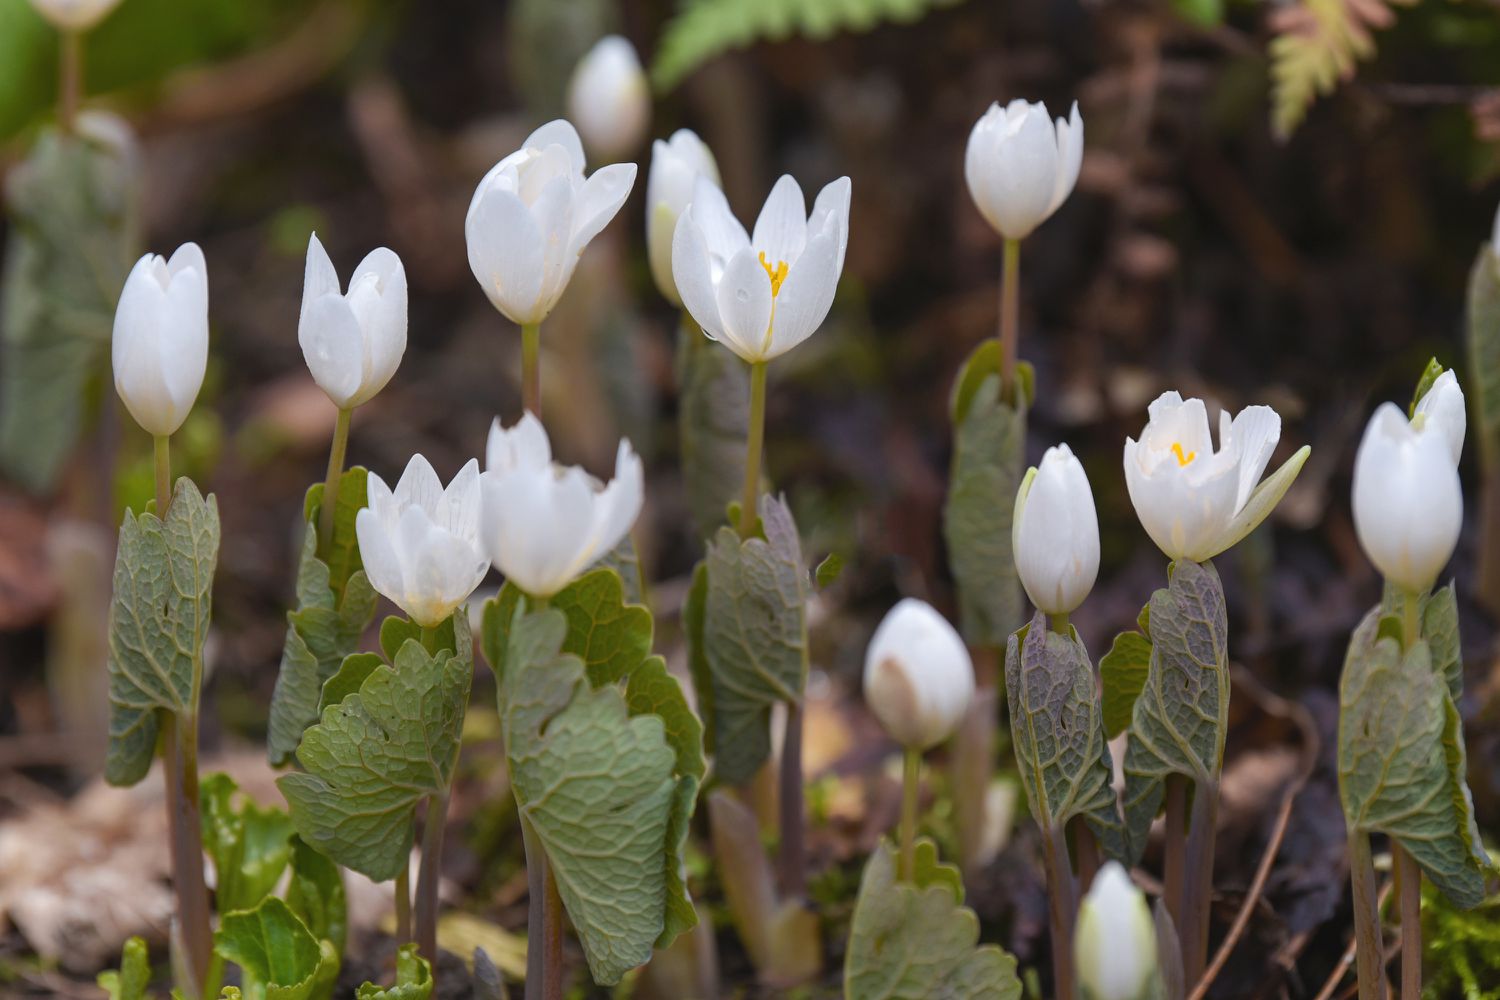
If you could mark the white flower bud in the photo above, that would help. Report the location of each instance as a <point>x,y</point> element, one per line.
<point>420,544</point>
<point>1055,533</point>
<point>74,15</point>
<point>1408,504</point>
<point>918,677</point>
<point>609,99</point>
<point>676,166</point>
<point>353,342</point>
<point>1020,166</point>
<point>1442,408</point>
<point>1114,945</point>
<point>160,341</point>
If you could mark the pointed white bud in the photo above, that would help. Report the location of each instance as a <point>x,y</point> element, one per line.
<point>676,165</point>
<point>918,677</point>
<point>160,341</point>
<point>1114,946</point>
<point>1055,533</point>
<point>352,341</point>
<point>609,99</point>
<point>1021,166</point>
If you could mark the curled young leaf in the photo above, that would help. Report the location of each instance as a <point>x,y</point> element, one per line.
<point>277,955</point>
<point>1122,676</point>
<point>316,895</point>
<point>413,979</point>
<point>131,979</point>
<point>250,845</point>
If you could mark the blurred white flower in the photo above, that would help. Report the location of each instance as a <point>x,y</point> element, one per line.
<point>676,166</point>
<point>1408,504</point>
<point>1020,166</point>
<point>761,296</point>
<point>1442,408</point>
<point>609,99</point>
<point>533,214</point>
<point>1114,945</point>
<point>74,15</point>
<point>1055,533</point>
<point>1193,501</point>
<point>544,524</point>
<point>918,677</point>
<point>352,341</point>
<point>160,341</point>
<point>420,544</point>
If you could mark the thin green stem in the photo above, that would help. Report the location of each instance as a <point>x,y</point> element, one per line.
<point>536,893</point>
<point>1061,909</point>
<point>1370,964</point>
<point>1010,317</point>
<point>791,853</point>
<point>1198,887</point>
<point>1058,623</point>
<point>430,639</point>
<point>1086,851</point>
<point>911,773</point>
<point>1409,882</point>
<point>552,934</point>
<point>69,79</point>
<point>429,873</point>
<point>531,368</point>
<point>1174,848</point>
<point>185,827</point>
<point>754,445</point>
<point>163,449</point>
<point>403,903</point>
<point>332,479</point>
<point>1411,618</point>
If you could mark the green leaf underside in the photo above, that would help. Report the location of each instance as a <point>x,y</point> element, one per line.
<point>335,604</point>
<point>413,979</point>
<point>1122,675</point>
<point>713,417</point>
<point>279,957</point>
<point>747,628</point>
<point>1440,631</point>
<point>1402,759</point>
<point>316,895</point>
<point>626,562</point>
<point>74,212</point>
<point>129,982</point>
<point>915,940</point>
<point>989,440</point>
<point>1178,723</point>
<point>598,787</point>
<point>1058,735</point>
<point>378,753</point>
<point>158,620</point>
<point>1482,382</point>
<point>610,636</point>
<point>250,845</point>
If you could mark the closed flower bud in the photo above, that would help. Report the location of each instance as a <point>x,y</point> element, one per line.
<point>74,15</point>
<point>1408,505</point>
<point>543,524</point>
<point>676,165</point>
<point>1021,166</point>
<point>761,295</point>
<point>1442,409</point>
<point>1114,945</point>
<point>160,341</point>
<point>918,677</point>
<point>533,214</point>
<point>1055,533</point>
<point>609,99</point>
<point>420,544</point>
<point>353,341</point>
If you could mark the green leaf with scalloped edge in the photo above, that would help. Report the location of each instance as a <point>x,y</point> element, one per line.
<point>1058,733</point>
<point>352,673</point>
<point>1122,676</point>
<point>316,895</point>
<point>278,956</point>
<point>158,620</point>
<point>602,791</point>
<point>915,940</point>
<point>1402,761</point>
<point>1178,723</point>
<point>250,845</point>
<point>335,604</point>
<point>378,753</point>
<point>1440,630</point>
<point>713,420</point>
<point>413,979</point>
<point>609,635</point>
<point>130,980</point>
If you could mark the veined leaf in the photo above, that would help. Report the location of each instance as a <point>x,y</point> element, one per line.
<point>380,751</point>
<point>316,895</point>
<point>1122,675</point>
<point>158,619</point>
<point>335,604</point>
<point>278,956</point>
<point>1402,759</point>
<point>609,635</point>
<point>713,419</point>
<point>1058,734</point>
<point>747,629</point>
<point>915,940</point>
<point>1178,722</point>
<point>1440,632</point>
<point>129,982</point>
<point>250,845</point>
<point>625,560</point>
<point>413,979</point>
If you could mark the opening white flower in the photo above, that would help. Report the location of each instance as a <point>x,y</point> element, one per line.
<point>1196,502</point>
<point>74,15</point>
<point>545,524</point>
<point>352,342</point>
<point>160,343</point>
<point>532,216</point>
<point>1055,533</point>
<point>761,296</point>
<point>676,165</point>
<point>609,98</point>
<point>1114,946</point>
<point>420,544</point>
<point>1408,503</point>
<point>1442,408</point>
<point>1021,166</point>
<point>918,677</point>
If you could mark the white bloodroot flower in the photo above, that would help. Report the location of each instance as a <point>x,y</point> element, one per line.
<point>609,99</point>
<point>918,677</point>
<point>1055,533</point>
<point>532,216</point>
<point>761,296</point>
<point>74,15</point>
<point>160,341</point>
<point>545,524</point>
<point>352,342</point>
<point>1442,408</point>
<point>676,165</point>
<point>1020,166</point>
<point>1196,502</point>
<point>1114,946</point>
<point>420,544</point>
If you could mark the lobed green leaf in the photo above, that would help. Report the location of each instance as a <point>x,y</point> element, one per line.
<point>316,895</point>
<point>250,845</point>
<point>279,958</point>
<point>609,635</point>
<point>1122,675</point>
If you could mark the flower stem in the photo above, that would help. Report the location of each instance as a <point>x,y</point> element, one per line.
<point>185,825</point>
<point>911,773</point>
<point>1408,873</point>
<point>1010,317</point>
<point>531,368</point>
<point>543,921</point>
<point>1058,623</point>
<point>163,451</point>
<point>1086,850</point>
<point>1060,909</point>
<point>790,851</point>
<point>1197,889</point>
<point>754,444</point>
<point>403,903</point>
<point>1370,964</point>
<point>69,79</point>
<point>429,873</point>
<point>1174,830</point>
<point>331,480</point>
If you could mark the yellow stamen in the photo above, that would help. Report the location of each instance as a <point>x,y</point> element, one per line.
<point>1181,458</point>
<point>777,274</point>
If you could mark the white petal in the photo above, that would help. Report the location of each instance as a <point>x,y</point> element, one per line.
<point>553,213</point>
<point>781,228</point>
<point>979,155</point>
<point>332,347</point>
<point>380,500</point>
<point>524,445</point>
<point>744,299</point>
<point>618,505</point>
<point>1444,411</point>
<point>692,272</point>
<point>1022,173</point>
<point>598,200</point>
<point>458,511</point>
<point>1408,504</point>
<point>534,525</point>
<point>1254,434</point>
<point>806,294</point>
<point>381,564</point>
<point>833,203</point>
<point>559,132</point>
<point>384,322</point>
<point>505,253</point>
<point>1069,157</point>
<point>319,277</point>
<point>419,487</point>
<point>722,232</point>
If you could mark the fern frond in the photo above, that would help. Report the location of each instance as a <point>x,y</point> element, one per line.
<point>703,29</point>
<point>1319,43</point>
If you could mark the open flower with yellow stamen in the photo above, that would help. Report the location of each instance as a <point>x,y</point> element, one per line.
<point>1196,502</point>
<point>764,294</point>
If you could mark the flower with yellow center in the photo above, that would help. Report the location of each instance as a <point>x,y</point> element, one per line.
<point>764,294</point>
